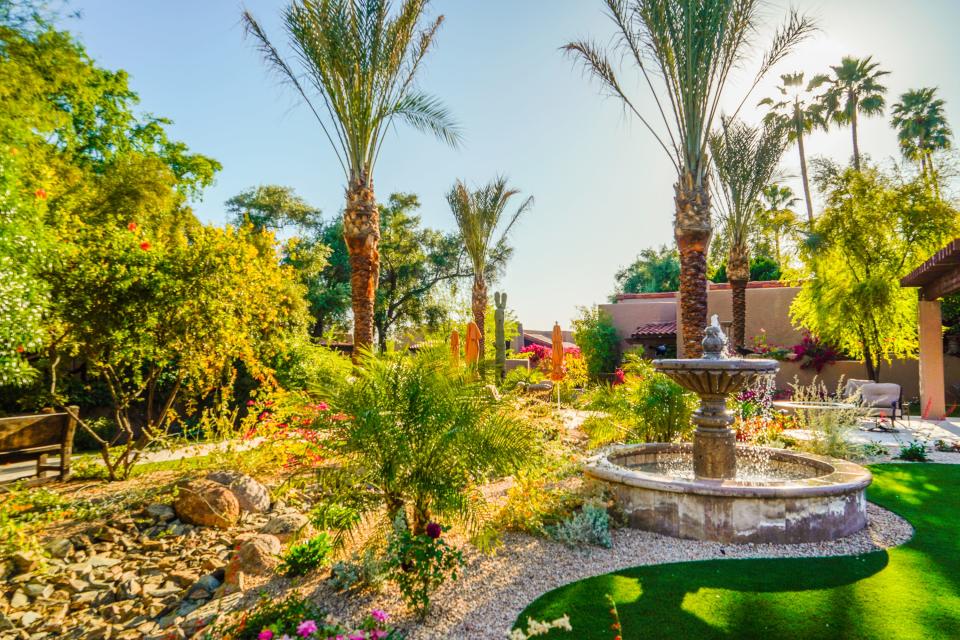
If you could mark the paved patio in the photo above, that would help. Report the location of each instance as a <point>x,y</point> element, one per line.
<point>928,431</point>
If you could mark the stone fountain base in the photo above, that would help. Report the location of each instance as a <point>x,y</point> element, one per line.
<point>825,501</point>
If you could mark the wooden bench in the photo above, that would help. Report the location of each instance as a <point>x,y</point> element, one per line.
<point>34,437</point>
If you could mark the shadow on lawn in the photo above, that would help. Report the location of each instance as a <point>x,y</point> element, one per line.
<point>657,598</point>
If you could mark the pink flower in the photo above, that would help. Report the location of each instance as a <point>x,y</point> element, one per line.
<point>377,634</point>
<point>379,614</point>
<point>306,628</point>
<point>357,636</point>
<point>250,403</point>
<point>323,406</point>
<point>266,634</point>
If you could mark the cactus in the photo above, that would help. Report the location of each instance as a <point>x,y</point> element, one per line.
<point>500,300</point>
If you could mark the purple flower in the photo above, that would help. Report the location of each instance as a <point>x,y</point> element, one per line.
<point>379,614</point>
<point>266,634</point>
<point>434,530</point>
<point>306,628</point>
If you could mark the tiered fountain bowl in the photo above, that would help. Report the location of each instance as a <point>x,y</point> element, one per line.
<point>716,490</point>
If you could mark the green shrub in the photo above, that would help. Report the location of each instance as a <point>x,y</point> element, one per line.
<point>522,374</point>
<point>304,557</point>
<point>420,564</point>
<point>304,365</point>
<point>597,338</point>
<point>417,436</point>
<point>915,451</point>
<point>589,526</point>
<point>648,407</point>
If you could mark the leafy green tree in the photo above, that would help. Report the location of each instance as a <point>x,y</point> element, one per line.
<point>273,207</point>
<point>745,158</point>
<point>24,296</point>
<point>922,129</point>
<point>361,58</point>
<point>653,271</point>
<point>776,218</point>
<point>414,262</point>
<point>762,268</point>
<point>874,230</point>
<point>689,47</point>
<point>853,90</point>
<point>801,113</point>
<point>157,320</point>
<point>484,226</point>
<point>594,333</point>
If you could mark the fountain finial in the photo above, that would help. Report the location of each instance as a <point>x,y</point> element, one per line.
<point>713,340</point>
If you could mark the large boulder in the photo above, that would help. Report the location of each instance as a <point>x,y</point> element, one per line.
<point>259,554</point>
<point>207,503</point>
<point>288,526</point>
<point>251,495</point>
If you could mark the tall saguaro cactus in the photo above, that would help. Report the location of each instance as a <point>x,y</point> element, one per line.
<point>500,300</point>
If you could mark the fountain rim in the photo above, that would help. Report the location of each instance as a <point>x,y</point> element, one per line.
<point>746,365</point>
<point>841,476</point>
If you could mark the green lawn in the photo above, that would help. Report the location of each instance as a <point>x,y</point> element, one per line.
<point>912,591</point>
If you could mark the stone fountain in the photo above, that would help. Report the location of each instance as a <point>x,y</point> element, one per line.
<point>717,490</point>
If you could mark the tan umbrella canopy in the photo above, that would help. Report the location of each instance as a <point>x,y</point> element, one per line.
<point>557,356</point>
<point>455,348</point>
<point>473,343</point>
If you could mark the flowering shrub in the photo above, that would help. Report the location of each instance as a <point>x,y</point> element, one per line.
<point>419,564</point>
<point>814,354</point>
<point>762,347</point>
<point>295,618</point>
<point>293,420</point>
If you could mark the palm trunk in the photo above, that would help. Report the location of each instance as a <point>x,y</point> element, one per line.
<point>804,176</point>
<point>479,307</point>
<point>692,230</point>
<point>856,145</point>
<point>738,272</point>
<point>361,232</point>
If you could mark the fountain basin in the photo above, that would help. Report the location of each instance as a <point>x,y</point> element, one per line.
<point>795,498</point>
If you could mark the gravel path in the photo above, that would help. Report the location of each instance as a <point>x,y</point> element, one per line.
<point>494,589</point>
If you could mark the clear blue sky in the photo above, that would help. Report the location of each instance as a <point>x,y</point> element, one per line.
<point>603,189</point>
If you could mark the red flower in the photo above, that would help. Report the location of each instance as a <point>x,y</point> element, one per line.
<point>20,349</point>
<point>619,377</point>
<point>434,530</point>
<point>145,245</point>
<point>250,403</point>
<point>132,226</point>
<point>41,194</point>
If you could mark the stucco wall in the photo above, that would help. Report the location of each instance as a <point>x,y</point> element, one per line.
<point>768,310</point>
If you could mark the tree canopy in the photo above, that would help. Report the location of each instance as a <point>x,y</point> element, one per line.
<point>653,271</point>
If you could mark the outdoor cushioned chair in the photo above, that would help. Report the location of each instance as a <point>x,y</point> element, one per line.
<point>882,400</point>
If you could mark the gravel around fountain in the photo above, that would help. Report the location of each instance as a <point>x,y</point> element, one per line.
<point>494,589</point>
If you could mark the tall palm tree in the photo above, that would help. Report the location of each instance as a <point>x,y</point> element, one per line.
<point>745,159</point>
<point>691,46</point>
<point>854,89</point>
<point>922,128</point>
<point>802,114</point>
<point>479,214</point>
<point>358,62</point>
<point>776,216</point>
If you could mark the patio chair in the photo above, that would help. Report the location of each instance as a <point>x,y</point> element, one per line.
<point>882,400</point>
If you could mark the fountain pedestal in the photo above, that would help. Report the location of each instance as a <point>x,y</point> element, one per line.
<point>715,454</point>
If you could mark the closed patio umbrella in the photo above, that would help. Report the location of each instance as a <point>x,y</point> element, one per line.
<point>556,358</point>
<point>473,344</point>
<point>455,348</point>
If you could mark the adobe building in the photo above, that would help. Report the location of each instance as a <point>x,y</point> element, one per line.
<point>649,321</point>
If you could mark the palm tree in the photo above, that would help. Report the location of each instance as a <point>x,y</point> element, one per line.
<point>359,60</point>
<point>853,89</point>
<point>922,128</point>
<point>478,214</point>
<point>802,115</point>
<point>745,159</point>
<point>692,46</point>
<point>776,216</point>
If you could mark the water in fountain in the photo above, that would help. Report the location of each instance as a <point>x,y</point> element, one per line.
<point>754,466</point>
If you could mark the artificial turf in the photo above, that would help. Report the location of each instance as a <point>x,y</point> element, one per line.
<point>911,591</point>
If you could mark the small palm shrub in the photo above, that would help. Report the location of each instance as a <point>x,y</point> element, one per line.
<point>914,451</point>
<point>417,436</point>
<point>647,407</point>
<point>306,556</point>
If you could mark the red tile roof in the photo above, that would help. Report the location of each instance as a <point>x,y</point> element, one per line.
<point>655,329</point>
